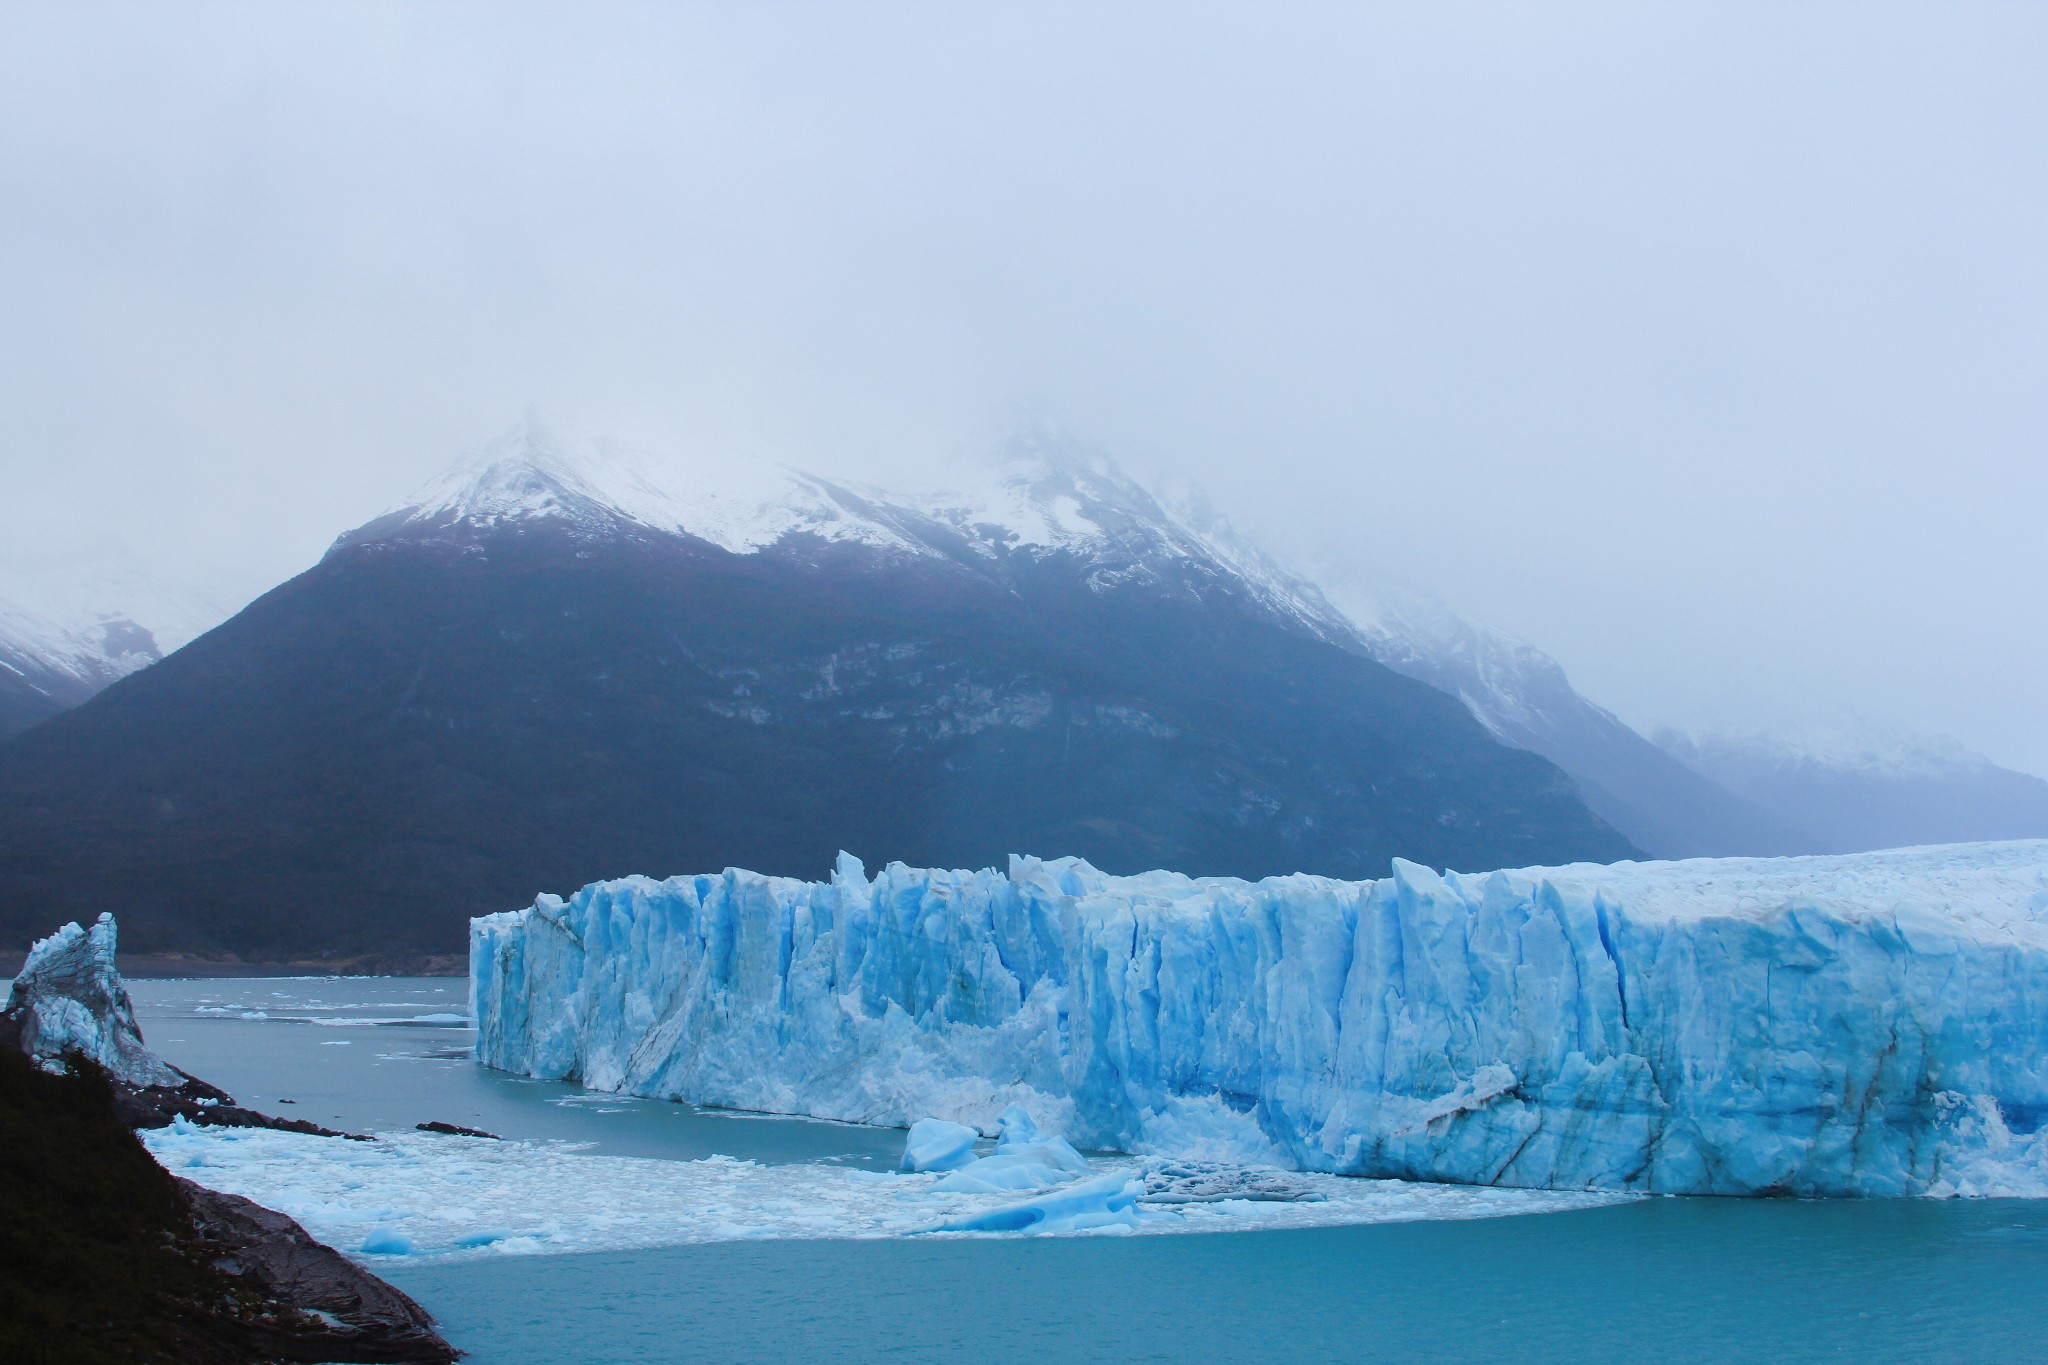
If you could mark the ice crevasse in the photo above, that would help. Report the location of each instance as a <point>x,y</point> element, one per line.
<point>1874,1024</point>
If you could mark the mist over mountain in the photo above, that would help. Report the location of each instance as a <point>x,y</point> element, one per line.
<point>549,667</point>
<point>1856,787</point>
<point>1524,698</point>
<point>47,666</point>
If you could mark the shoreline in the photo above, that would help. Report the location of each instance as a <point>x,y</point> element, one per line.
<point>177,966</point>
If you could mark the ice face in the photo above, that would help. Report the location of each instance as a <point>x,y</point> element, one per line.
<point>1865,1025</point>
<point>70,998</point>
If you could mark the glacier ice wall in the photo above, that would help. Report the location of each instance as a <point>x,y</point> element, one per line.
<point>1865,1025</point>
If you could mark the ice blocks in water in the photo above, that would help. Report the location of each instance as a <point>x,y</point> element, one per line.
<point>1024,1159</point>
<point>1014,1129</point>
<point>938,1145</point>
<point>1862,1025</point>
<point>1106,1201</point>
<point>1177,1181</point>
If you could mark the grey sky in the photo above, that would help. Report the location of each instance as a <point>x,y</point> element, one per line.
<point>1703,346</point>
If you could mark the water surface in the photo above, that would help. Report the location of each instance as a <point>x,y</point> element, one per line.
<point>1671,1280</point>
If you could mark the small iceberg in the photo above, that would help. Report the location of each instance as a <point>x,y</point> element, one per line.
<point>938,1145</point>
<point>1107,1201</point>
<point>1024,1159</point>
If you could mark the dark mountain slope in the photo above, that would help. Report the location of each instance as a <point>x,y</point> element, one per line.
<point>1523,696</point>
<point>444,720</point>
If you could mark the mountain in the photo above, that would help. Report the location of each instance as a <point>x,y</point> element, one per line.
<point>1523,697</point>
<point>1859,787</point>
<point>549,667</point>
<point>48,666</point>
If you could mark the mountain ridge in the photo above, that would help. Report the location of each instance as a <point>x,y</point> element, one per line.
<point>456,708</point>
<point>1859,786</point>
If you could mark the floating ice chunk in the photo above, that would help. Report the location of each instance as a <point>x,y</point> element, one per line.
<point>1024,1159</point>
<point>387,1242</point>
<point>1015,1129</point>
<point>1215,1182</point>
<point>1106,1201</point>
<point>1021,1168</point>
<point>938,1145</point>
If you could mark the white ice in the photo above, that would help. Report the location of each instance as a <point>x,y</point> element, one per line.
<point>432,1195</point>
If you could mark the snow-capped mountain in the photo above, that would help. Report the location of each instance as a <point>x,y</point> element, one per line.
<point>1048,494</point>
<point>552,666</point>
<point>1855,785</point>
<point>66,635</point>
<point>48,666</point>
<point>1044,494</point>
<point>1523,696</point>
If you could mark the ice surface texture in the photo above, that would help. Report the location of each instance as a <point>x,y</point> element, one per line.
<point>69,998</point>
<point>1865,1025</point>
<point>938,1145</point>
<point>428,1195</point>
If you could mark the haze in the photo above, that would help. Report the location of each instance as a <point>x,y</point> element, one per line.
<point>1700,345</point>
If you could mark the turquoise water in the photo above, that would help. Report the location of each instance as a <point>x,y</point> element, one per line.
<point>1670,1280</point>
<point>347,1052</point>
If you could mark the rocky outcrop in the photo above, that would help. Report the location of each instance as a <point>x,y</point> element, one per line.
<point>115,1258</point>
<point>339,1311</point>
<point>69,1001</point>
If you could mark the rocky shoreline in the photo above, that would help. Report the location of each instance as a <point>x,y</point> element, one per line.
<point>156,1268</point>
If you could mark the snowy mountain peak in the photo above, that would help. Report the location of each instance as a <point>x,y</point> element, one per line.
<point>49,665</point>
<point>1041,493</point>
<point>531,474</point>
<point>1842,742</point>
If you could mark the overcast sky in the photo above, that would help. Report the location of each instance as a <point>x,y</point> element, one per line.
<point>1704,346</point>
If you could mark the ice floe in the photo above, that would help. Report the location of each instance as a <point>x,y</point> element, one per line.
<point>430,1195</point>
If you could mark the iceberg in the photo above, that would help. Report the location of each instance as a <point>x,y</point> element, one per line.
<point>1107,1201</point>
<point>1874,1024</point>
<point>938,1145</point>
<point>1024,1159</point>
<point>69,998</point>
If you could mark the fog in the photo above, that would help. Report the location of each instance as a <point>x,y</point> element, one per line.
<point>1700,345</point>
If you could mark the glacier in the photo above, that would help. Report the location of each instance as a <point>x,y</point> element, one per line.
<point>1874,1024</point>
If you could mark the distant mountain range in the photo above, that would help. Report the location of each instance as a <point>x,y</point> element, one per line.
<point>550,666</point>
<point>1522,696</point>
<point>1854,787</point>
<point>48,666</point>
<point>547,668</point>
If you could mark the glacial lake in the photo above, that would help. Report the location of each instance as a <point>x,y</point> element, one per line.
<point>1672,1280</point>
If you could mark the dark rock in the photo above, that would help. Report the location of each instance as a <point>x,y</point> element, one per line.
<point>155,1106</point>
<point>105,1257</point>
<point>457,1129</point>
<point>341,1311</point>
<point>440,721</point>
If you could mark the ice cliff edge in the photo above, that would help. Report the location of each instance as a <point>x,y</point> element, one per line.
<point>1867,1025</point>
<point>69,997</point>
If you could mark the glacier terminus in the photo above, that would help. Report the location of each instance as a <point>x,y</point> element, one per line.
<point>1863,1025</point>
